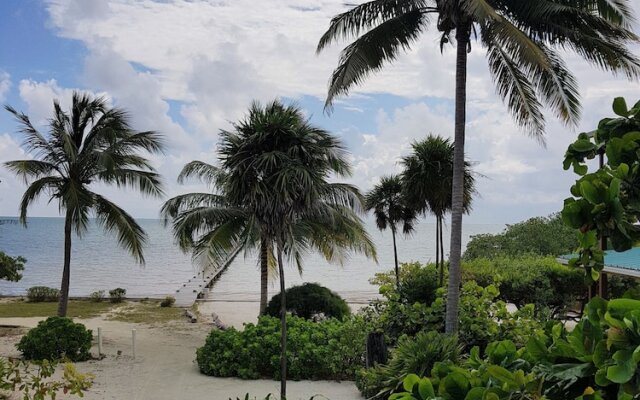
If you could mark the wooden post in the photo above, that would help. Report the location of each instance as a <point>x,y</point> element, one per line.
<point>133,343</point>
<point>376,349</point>
<point>99,342</point>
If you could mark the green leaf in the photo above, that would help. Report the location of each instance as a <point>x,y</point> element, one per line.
<point>590,192</point>
<point>580,169</point>
<point>624,369</point>
<point>477,393</point>
<point>501,374</point>
<point>425,389</point>
<point>583,146</point>
<point>620,107</point>
<point>614,188</point>
<point>410,381</point>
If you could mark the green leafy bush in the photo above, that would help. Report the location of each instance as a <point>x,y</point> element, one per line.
<point>413,355</point>
<point>309,300</point>
<point>539,236</point>
<point>418,284</point>
<point>39,294</point>
<point>541,281</point>
<point>11,267</point>
<point>56,338</point>
<point>168,301</point>
<point>329,349</point>
<point>97,296</point>
<point>117,295</point>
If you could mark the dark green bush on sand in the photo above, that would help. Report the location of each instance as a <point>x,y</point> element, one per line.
<point>328,349</point>
<point>308,300</point>
<point>39,294</point>
<point>56,338</point>
<point>117,295</point>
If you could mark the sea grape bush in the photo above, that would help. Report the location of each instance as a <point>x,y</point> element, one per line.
<point>418,283</point>
<point>34,380</point>
<point>310,300</point>
<point>328,349</point>
<point>97,296</point>
<point>597,360</point>
<point>11,267</point>
<point>39,294</point>
<point>605,203</point>
<point>56,338</point>
<point>117,295</point>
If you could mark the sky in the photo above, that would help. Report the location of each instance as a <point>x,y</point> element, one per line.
<point>188,68</point>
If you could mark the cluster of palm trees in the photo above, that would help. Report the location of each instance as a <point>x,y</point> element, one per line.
<point>424,186</point>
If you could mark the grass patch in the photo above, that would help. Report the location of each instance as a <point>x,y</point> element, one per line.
<point>77,309</point>
<point>148,312</point>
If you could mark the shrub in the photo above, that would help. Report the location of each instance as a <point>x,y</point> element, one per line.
<point>117,295</point>
<point>541,281</point>
<point>11,267</point>
<point>309,300</point>
<point>168,301</point>
<point>418,284</point>
<point>39,294</point>
<point>97,296</point>
<point>35,381</point>
<point>56,338</point>
<point>329,349</point>
<point>416,355</point>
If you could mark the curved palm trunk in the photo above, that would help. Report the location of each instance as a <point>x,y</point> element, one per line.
<point>66,270</point>
<point>453,291</point>
<point>441,253</point>
<point>264,275</point>
<point>440,250</point>
<point>395,256</point>
<point>283,329</point>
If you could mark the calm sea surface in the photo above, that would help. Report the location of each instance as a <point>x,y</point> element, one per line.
<point>98,263</point>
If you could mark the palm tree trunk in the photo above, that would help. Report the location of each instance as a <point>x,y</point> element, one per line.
<point>441,253</point>
<point>264,275</point>
<point>440,249</point>
<point>395,256</point>
<point>437,244</point>
<point>453,291</point>
<point>66,270</point>
<point>283,329</point>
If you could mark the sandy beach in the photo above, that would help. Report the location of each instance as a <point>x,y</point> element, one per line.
<point>165,368</point>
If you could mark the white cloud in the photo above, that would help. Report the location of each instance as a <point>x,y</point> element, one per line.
<point>5,85</point>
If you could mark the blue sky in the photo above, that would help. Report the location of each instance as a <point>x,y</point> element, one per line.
<point>187,68</point>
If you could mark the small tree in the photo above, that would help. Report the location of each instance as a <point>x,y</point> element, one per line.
<point>606,203</point>
<point>10,267</point>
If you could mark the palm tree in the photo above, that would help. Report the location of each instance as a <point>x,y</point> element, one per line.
<point>91,144</point>
<point>389,206</point>
<point>522,39</point>
<point>427,179</point>
<point>272,191</point>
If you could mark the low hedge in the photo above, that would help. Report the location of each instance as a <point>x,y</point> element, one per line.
<point>41,294</point>
<point>328,349</point>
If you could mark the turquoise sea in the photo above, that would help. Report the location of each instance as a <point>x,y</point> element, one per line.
<point>99,264</point>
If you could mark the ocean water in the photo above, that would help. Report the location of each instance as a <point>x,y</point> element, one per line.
<point>98,263</point>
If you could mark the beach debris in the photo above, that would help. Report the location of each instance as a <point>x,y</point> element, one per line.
<point>217,322</point>
<point>191,316</point>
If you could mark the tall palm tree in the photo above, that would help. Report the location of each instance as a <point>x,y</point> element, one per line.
<point>272,186</point>
<point>90,144</point>
<point>427,176</point>
<point>389,206</point>
<point>522,40</point>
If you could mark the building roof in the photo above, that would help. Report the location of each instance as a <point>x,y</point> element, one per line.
<point>625,263</point>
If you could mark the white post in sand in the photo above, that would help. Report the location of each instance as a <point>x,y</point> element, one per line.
<point>99,342</point>
<point>133,343</point>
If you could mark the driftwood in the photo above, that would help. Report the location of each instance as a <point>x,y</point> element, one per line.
<point>191,316</point>
<point>217,322</point>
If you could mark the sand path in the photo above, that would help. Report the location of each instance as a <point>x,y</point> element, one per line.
<point>164,367</point>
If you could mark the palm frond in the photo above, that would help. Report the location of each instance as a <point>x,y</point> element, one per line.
<point>114,219</point>
<point>145,182</point>
<point>207,173</point>
<point>31,169</point>
<point>35,190</point>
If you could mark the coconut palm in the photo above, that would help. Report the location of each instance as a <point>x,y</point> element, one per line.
<point>389,206</point>
<point>427,176</point>
<point>272,191</point>
<point>90,144</point>
<point>522,40</point>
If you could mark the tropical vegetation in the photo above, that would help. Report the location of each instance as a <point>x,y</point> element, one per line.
<point>11,267</point>
<point>310,301</point>
<point>56,338</point>
<point>91,144</point>
<point>523,41</point>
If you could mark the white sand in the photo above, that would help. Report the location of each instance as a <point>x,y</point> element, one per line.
<point>165,366</point>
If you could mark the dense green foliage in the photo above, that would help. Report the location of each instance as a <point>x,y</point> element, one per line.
<point>309,300</point>
<point>11,267</point>
<point>597,360</point>
<point>117,295</point>
<point>329,349</point>
<point>539,236</point>
<point>604,203</point>
<point>418,284</point>
<point>412,355</point>
<point>97,296</point>
<point>56,338</point>
<point>541,281</point>
<point>39,294</point>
